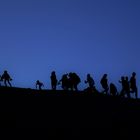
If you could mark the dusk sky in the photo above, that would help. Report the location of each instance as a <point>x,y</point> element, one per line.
<point>84,36</point>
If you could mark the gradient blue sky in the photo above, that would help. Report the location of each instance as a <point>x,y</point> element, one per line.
<point>85,36</point>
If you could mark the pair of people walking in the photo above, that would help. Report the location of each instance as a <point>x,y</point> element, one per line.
<point>129,86</point>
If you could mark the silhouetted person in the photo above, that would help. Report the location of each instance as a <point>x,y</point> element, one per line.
<point>91,85</point>
<point>74,80</point>
<point>90,81</point>
<point>133,85</point>
<point>6,77</point>
<point>104,83</point>
<point>113,90</point>
<point>125,87</point>
<point>70,81</point>
<point>53,80</point>
<point>39,85</point>
<point>64,81</point>
<point>122,81</point>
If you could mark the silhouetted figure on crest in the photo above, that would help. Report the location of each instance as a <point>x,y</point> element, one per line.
<point>70,81</point>
<point>133,85</point>
<point>104,83</point>
<point>64,82</point>
<point>6,78</point>
<point>125,87</point>
<point>91,85</point>
<point>113,90</point>
<point>90,81</point>
<point>39,85</point>
<point>53,80</point>
<point>74,80</point>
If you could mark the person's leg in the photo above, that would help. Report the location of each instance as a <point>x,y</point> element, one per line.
<point>5,82</point>
<point>128,94</point>
<point>9,83</point>
<point>122,93</point>
<point>106,90</point>
<point>75,86</point>
<point>55,86</point>
<point>136,92</point>
<point>39,87</point>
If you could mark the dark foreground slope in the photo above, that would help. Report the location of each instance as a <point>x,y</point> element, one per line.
<point>68,112</point>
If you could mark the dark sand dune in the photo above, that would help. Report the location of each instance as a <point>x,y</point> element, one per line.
<point>66,113</point>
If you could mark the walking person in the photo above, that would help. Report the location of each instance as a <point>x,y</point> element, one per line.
<point>6,78</point>
<point>133,85</point>
<point>104,83</point>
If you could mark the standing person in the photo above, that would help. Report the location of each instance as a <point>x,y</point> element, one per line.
<point>104,83</point>
<point>39,85</point>
<point>6,77</point>
<point>122,81</point>
<point>133,85</point>
<point>53,80</point>
<point>125,87</point>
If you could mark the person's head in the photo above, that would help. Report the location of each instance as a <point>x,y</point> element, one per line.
<point>105,76</point>
<point>88,75</point>
<point>5,71</point>
<point>65,75</point>
<point>133,74</point>
<point>111,85</point>
<point>70,74</point>
<point>37,81</point>
<point>53,72</point>
<point>126,78</point>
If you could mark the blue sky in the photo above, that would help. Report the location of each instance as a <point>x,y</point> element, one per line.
<point>85,36</point>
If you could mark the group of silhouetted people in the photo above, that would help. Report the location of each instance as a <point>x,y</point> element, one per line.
<point>6,79</point>
<point>129,86</point>
<point>70,81</point>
